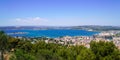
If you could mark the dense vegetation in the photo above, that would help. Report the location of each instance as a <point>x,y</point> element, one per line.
<point>23,49</point>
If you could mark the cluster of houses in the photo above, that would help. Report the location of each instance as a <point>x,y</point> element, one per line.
<point>85,40</point>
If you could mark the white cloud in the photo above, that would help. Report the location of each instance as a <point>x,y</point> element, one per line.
<point>30,21</point>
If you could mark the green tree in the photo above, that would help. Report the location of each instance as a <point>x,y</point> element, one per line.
<point>21,55</point>
<point>103,50</point>
<point>13,43</point>
<point>3,44</point>
<point>86,54</point>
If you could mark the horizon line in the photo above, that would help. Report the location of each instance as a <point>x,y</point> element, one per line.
<point>56,26</point>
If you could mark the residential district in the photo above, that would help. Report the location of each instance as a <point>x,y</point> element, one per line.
<point>106,36</point>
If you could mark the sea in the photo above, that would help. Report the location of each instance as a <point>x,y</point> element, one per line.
<point>52,33</point>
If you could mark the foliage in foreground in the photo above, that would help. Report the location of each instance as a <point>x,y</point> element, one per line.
<point>25,50</point>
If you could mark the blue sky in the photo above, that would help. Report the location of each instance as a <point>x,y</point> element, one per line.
<point>59,12</point>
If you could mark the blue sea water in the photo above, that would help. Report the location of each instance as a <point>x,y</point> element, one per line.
<point>51,33</point>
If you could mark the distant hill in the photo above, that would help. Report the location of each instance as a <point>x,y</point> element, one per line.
<point>89,27</point>
<point>97,28</point>
<point>32,27</point>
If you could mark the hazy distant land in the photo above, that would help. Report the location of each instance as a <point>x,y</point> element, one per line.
<point>87,27</point>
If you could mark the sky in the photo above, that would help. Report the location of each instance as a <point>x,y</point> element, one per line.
<point>59,12</point>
